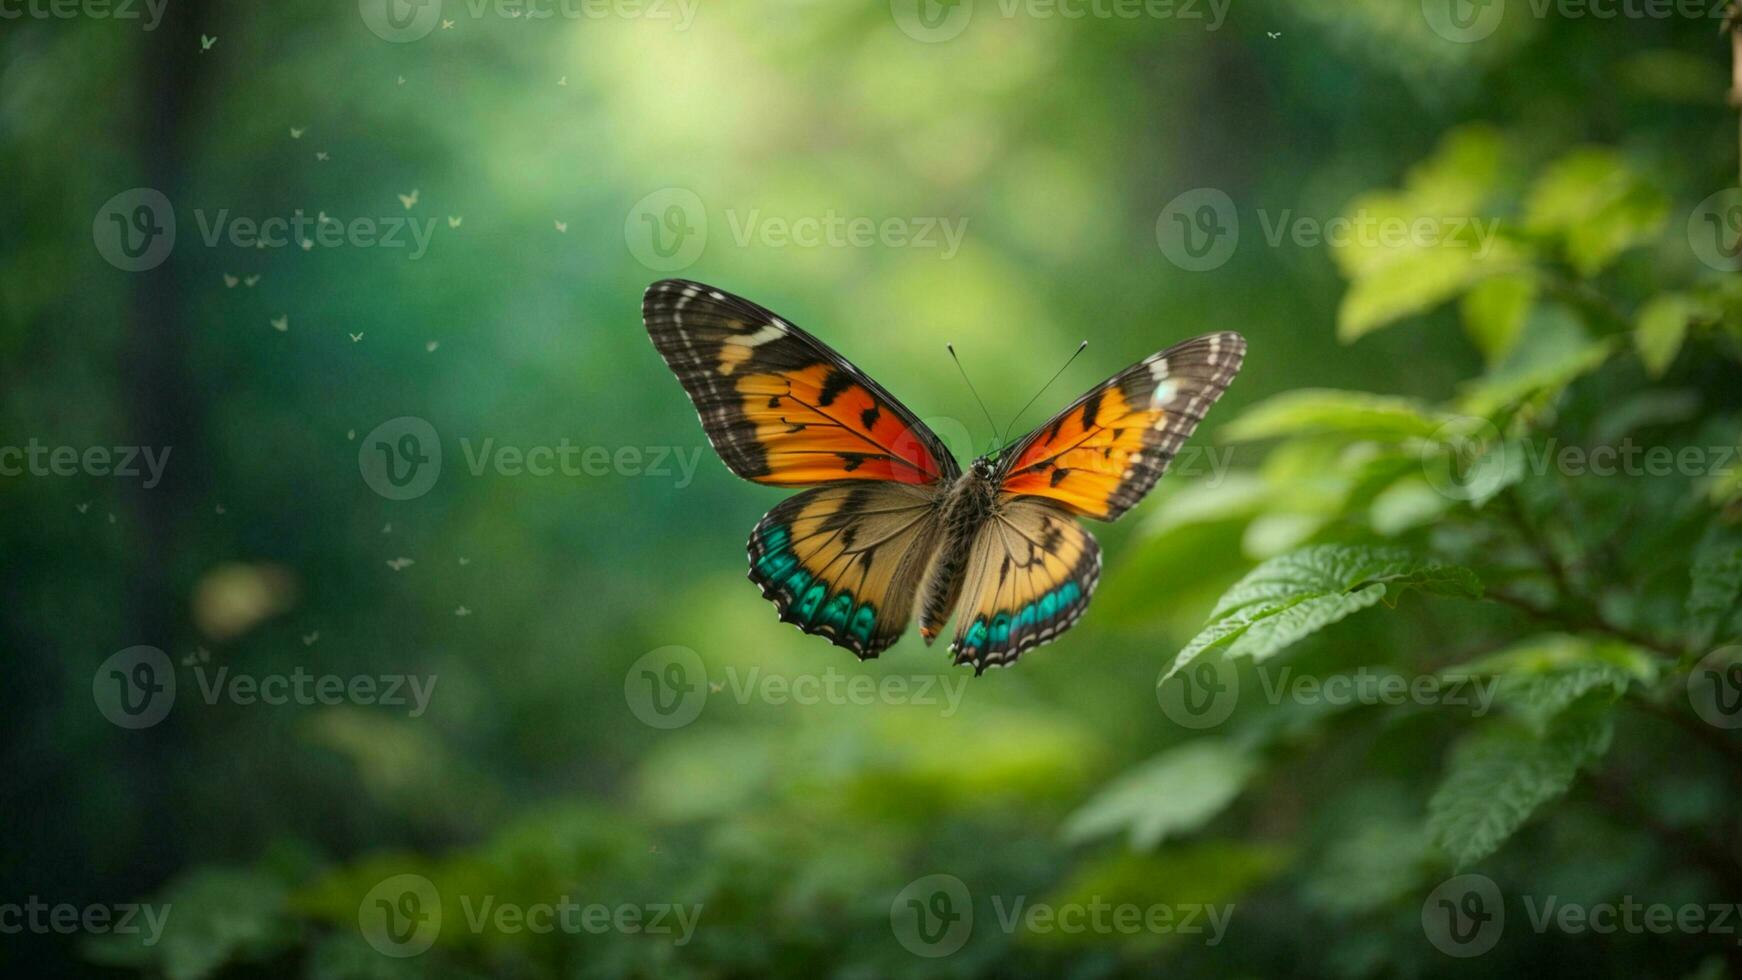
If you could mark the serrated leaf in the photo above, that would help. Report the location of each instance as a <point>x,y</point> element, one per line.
<point>1175,792</point>
<point>1501,774</point>
<point>1297,594</point>
<point>1716,585</point>
<point>1326,411</point>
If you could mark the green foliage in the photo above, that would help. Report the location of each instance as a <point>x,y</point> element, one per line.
<point>1296,595</point>
<point>1499,775</point>
<point>1418,413</point>
<point>1176,792</point>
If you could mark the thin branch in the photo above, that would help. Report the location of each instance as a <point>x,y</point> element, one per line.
<point>1727,747</point>
<point>1585,622</point>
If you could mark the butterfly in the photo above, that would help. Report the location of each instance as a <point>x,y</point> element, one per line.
<point>892,528</point>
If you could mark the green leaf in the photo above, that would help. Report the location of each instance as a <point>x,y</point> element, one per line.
<point>1295,595</point>
<point>1416,282</point>
<point>1501,774</point>
<point>1595,205</point>
<point>1426,243</point>
<point>1176,792</point>
<point>1326,411</point>
<point>1551,353</point>
<point>1494,311</point>
<point>1661,327</point>
<point>1717,583</point>
<point>1539,700</point>
<point>1407,504</point>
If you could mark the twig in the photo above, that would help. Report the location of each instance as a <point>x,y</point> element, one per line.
<point>1724,746</point>
<point>1545,555</point>
<point>1588,622</point>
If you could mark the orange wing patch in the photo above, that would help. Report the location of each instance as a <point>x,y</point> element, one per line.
<point>818,424</point>
<point>1101,455</point>
<point>777,404</point>
<point>1081,457</point>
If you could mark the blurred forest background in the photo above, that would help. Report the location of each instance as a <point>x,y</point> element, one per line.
<point>1573,285</point>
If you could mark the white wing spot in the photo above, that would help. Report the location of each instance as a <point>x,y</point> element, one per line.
<point>760,337</point>
<point>1164,393</point>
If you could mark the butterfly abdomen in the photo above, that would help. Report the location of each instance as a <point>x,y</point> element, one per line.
<point>966,508</point>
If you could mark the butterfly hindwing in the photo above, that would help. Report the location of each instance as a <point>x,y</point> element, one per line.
<point>1100,456</point>
<point>845,561</point>
<point>1031,569</point>
<point>779,406</point>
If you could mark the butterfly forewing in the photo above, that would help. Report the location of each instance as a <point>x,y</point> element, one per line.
<point>1100,456</point>
<point>779,406</point>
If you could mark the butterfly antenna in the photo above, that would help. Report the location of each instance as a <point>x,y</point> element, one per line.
<point>952,349</point>
<point>1080,348</point>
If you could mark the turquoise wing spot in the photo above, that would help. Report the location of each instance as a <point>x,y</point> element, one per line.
<point>838,609</point>
<point>977,633</point>
<point>863,619</point>
<point>1026,619</point>
<point>812,600</point>
<point>1049,604</point>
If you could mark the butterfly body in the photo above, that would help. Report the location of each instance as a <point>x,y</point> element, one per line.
<point>892,527</point>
